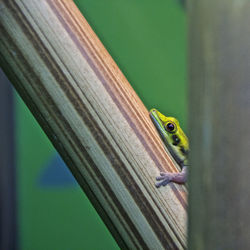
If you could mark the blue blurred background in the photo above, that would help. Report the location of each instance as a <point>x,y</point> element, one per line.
<point>44,208</point>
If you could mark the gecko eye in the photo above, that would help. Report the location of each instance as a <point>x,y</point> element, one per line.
<point>170,127</point>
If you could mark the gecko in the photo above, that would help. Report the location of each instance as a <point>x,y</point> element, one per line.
<point>177,144</point>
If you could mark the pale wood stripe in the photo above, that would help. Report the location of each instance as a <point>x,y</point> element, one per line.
<point>94,119</point>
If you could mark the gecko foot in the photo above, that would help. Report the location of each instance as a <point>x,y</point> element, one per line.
<point>166,177</point>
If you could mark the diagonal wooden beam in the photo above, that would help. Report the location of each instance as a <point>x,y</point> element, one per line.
<point>94,119</point>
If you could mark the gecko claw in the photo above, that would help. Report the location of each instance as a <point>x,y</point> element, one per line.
<point>164,179</point>
<point>163,173</point>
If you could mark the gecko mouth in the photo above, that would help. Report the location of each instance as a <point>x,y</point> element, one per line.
<point>155,118</point>
<point>157,122</point>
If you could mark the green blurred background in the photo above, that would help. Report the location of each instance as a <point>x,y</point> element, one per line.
<point>147,39</point>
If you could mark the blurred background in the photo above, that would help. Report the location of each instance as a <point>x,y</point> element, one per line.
<point>42,207</point>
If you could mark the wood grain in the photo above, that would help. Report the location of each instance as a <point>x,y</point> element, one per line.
<point>94,119</point>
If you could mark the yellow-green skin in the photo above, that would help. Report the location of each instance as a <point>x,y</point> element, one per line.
<point>176,142</point>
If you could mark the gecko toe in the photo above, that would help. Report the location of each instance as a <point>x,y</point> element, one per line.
<point>159,178</point>
<point>164,179</point>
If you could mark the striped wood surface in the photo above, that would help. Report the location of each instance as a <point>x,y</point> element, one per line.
<point>94,119</point>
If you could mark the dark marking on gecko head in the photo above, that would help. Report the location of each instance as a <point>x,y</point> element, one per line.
<point>176,140</point>
<point>184,151</point>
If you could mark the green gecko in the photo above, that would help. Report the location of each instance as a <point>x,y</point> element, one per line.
<point>177,144</point>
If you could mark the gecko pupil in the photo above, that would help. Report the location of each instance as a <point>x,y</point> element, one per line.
<point>170,127</point>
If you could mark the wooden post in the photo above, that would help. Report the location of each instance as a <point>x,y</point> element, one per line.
<point>94,119</point>
<point>219,215</point>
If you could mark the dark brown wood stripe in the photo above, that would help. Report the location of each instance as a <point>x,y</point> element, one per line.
<point>117,97</point>
<point>84,152</point>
